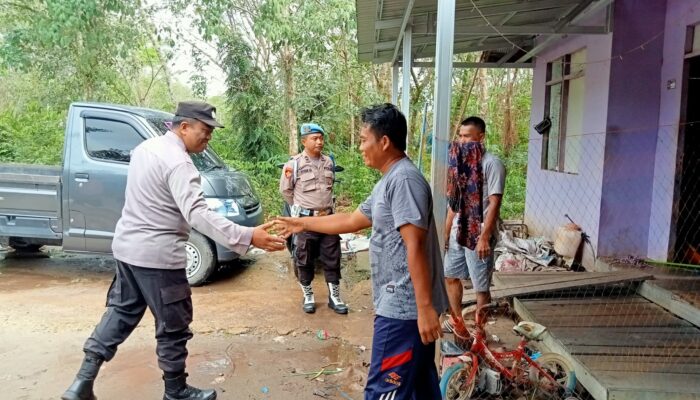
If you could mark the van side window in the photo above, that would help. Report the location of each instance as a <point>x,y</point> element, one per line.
<point>110,140</point>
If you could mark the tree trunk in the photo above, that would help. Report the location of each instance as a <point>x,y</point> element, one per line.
<point>464,102</point>
<point>350,88</point>
<point>290,115</point>
<point>484,87</point>
<point>510,135</point>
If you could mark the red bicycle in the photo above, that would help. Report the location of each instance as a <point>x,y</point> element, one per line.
<point>481,370</point>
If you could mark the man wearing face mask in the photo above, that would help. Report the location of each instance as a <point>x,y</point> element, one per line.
<point>475,263</point>
<point>307,186</point>
<point>163,201</point>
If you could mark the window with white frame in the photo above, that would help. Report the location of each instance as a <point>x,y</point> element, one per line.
<point>564,105</point>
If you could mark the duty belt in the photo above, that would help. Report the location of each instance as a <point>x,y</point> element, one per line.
<point>305,212</point>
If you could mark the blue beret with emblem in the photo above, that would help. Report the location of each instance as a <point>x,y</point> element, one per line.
<point>310,128</point>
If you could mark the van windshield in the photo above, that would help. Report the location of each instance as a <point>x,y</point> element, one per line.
<point>205,161</point>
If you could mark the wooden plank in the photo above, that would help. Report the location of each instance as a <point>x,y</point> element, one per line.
<point>631,299</point>
<point>611,321</point>
<point>614,384</point>
<point>510,278</point>
<point>634,394</point>
<point>551,344</point>
<point>651,382</point>
<point>666,299</point>
<point>605,338</point>
<point>544,309</point>
<point>569,277</point>
<point>664,353</point>
<point>628,330</point>
<point>687,361</point>
<point>640,364</point>
<point>621,277</point>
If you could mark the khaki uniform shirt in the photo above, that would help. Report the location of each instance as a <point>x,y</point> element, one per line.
<point>164,200</point>
<point>313,187</point>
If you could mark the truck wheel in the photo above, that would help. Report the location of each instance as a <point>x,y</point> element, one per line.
<point>22,246</point>
<point>201,258</point>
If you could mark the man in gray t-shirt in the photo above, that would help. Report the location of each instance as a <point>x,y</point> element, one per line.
<point>401,197</point>
<point>407,274</point>
<point>477,264</point>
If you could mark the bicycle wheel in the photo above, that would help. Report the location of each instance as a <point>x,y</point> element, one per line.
<point>558,368</point>
<point>458,382</point>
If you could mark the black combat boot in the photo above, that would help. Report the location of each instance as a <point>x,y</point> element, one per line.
<point>309,304</point>
<point>81,389</point>
<point>178,389</point>
<point>334,301</point>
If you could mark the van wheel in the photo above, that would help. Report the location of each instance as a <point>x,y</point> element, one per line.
<point>201,258</point>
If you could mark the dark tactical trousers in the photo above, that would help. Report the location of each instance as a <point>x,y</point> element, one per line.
<point>166,293</point>
<point>312,246</point>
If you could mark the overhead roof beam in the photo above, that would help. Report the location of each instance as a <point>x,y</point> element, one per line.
<point>568,18</point>
<point>406,18</point>
<point>492,10</point>
<point>388,23</point>
<point>530,30</point>
<point>501,23</point>
<point>573,14</point>
<point>508,55</point>
<point>431,64</point>
<point>466,47</point>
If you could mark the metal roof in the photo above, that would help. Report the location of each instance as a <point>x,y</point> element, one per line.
<point>506,29</point>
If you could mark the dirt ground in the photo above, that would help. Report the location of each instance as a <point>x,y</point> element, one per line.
<point>252,341</point>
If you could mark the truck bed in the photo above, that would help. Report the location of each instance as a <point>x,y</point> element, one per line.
<point>30,200</point>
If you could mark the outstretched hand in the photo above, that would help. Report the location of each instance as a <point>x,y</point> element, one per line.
<point>262,239</point>
<point>287,226</point>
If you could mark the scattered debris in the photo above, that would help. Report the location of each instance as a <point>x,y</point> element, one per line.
<point>523,255</point>
<point>318,374</point>
<point>632,261</point>
<point>322,334</point>
<point>321,393</point>
<point>279,339</point>
<point>351,243</point>
<point>254,251</point>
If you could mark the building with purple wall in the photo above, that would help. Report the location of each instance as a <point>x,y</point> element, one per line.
<point>610,160</point>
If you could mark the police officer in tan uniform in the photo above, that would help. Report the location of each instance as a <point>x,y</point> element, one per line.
<point>307,186</point>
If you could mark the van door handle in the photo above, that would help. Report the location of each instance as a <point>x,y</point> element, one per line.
<point>82,177</point>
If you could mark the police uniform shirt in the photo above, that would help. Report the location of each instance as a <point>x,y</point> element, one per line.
<point>164,200</point>
<point>313,187</point>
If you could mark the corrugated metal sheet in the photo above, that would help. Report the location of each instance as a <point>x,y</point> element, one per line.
<point>379,25</point>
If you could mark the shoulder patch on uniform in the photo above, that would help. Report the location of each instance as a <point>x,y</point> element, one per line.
<point>288,172</point>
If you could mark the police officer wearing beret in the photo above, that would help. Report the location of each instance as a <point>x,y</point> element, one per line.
<point>307,186</point>
<point>163,201</point>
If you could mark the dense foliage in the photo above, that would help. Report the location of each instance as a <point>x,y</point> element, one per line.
<point>285,61</point>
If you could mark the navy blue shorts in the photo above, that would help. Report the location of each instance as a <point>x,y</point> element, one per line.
<point>402,367</point>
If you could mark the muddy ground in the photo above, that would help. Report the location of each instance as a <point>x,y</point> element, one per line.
<point>251,338</point>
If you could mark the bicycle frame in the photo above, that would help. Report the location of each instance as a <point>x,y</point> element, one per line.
<point>495,359</point>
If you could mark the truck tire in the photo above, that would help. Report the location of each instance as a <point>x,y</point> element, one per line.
<point>201,258</point>
<point>22,246</point>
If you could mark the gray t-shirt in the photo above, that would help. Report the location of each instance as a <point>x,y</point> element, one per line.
<point>401,197</point>
<point>494,177</point>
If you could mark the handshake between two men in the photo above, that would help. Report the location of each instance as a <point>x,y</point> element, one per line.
<point>272,236</point>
